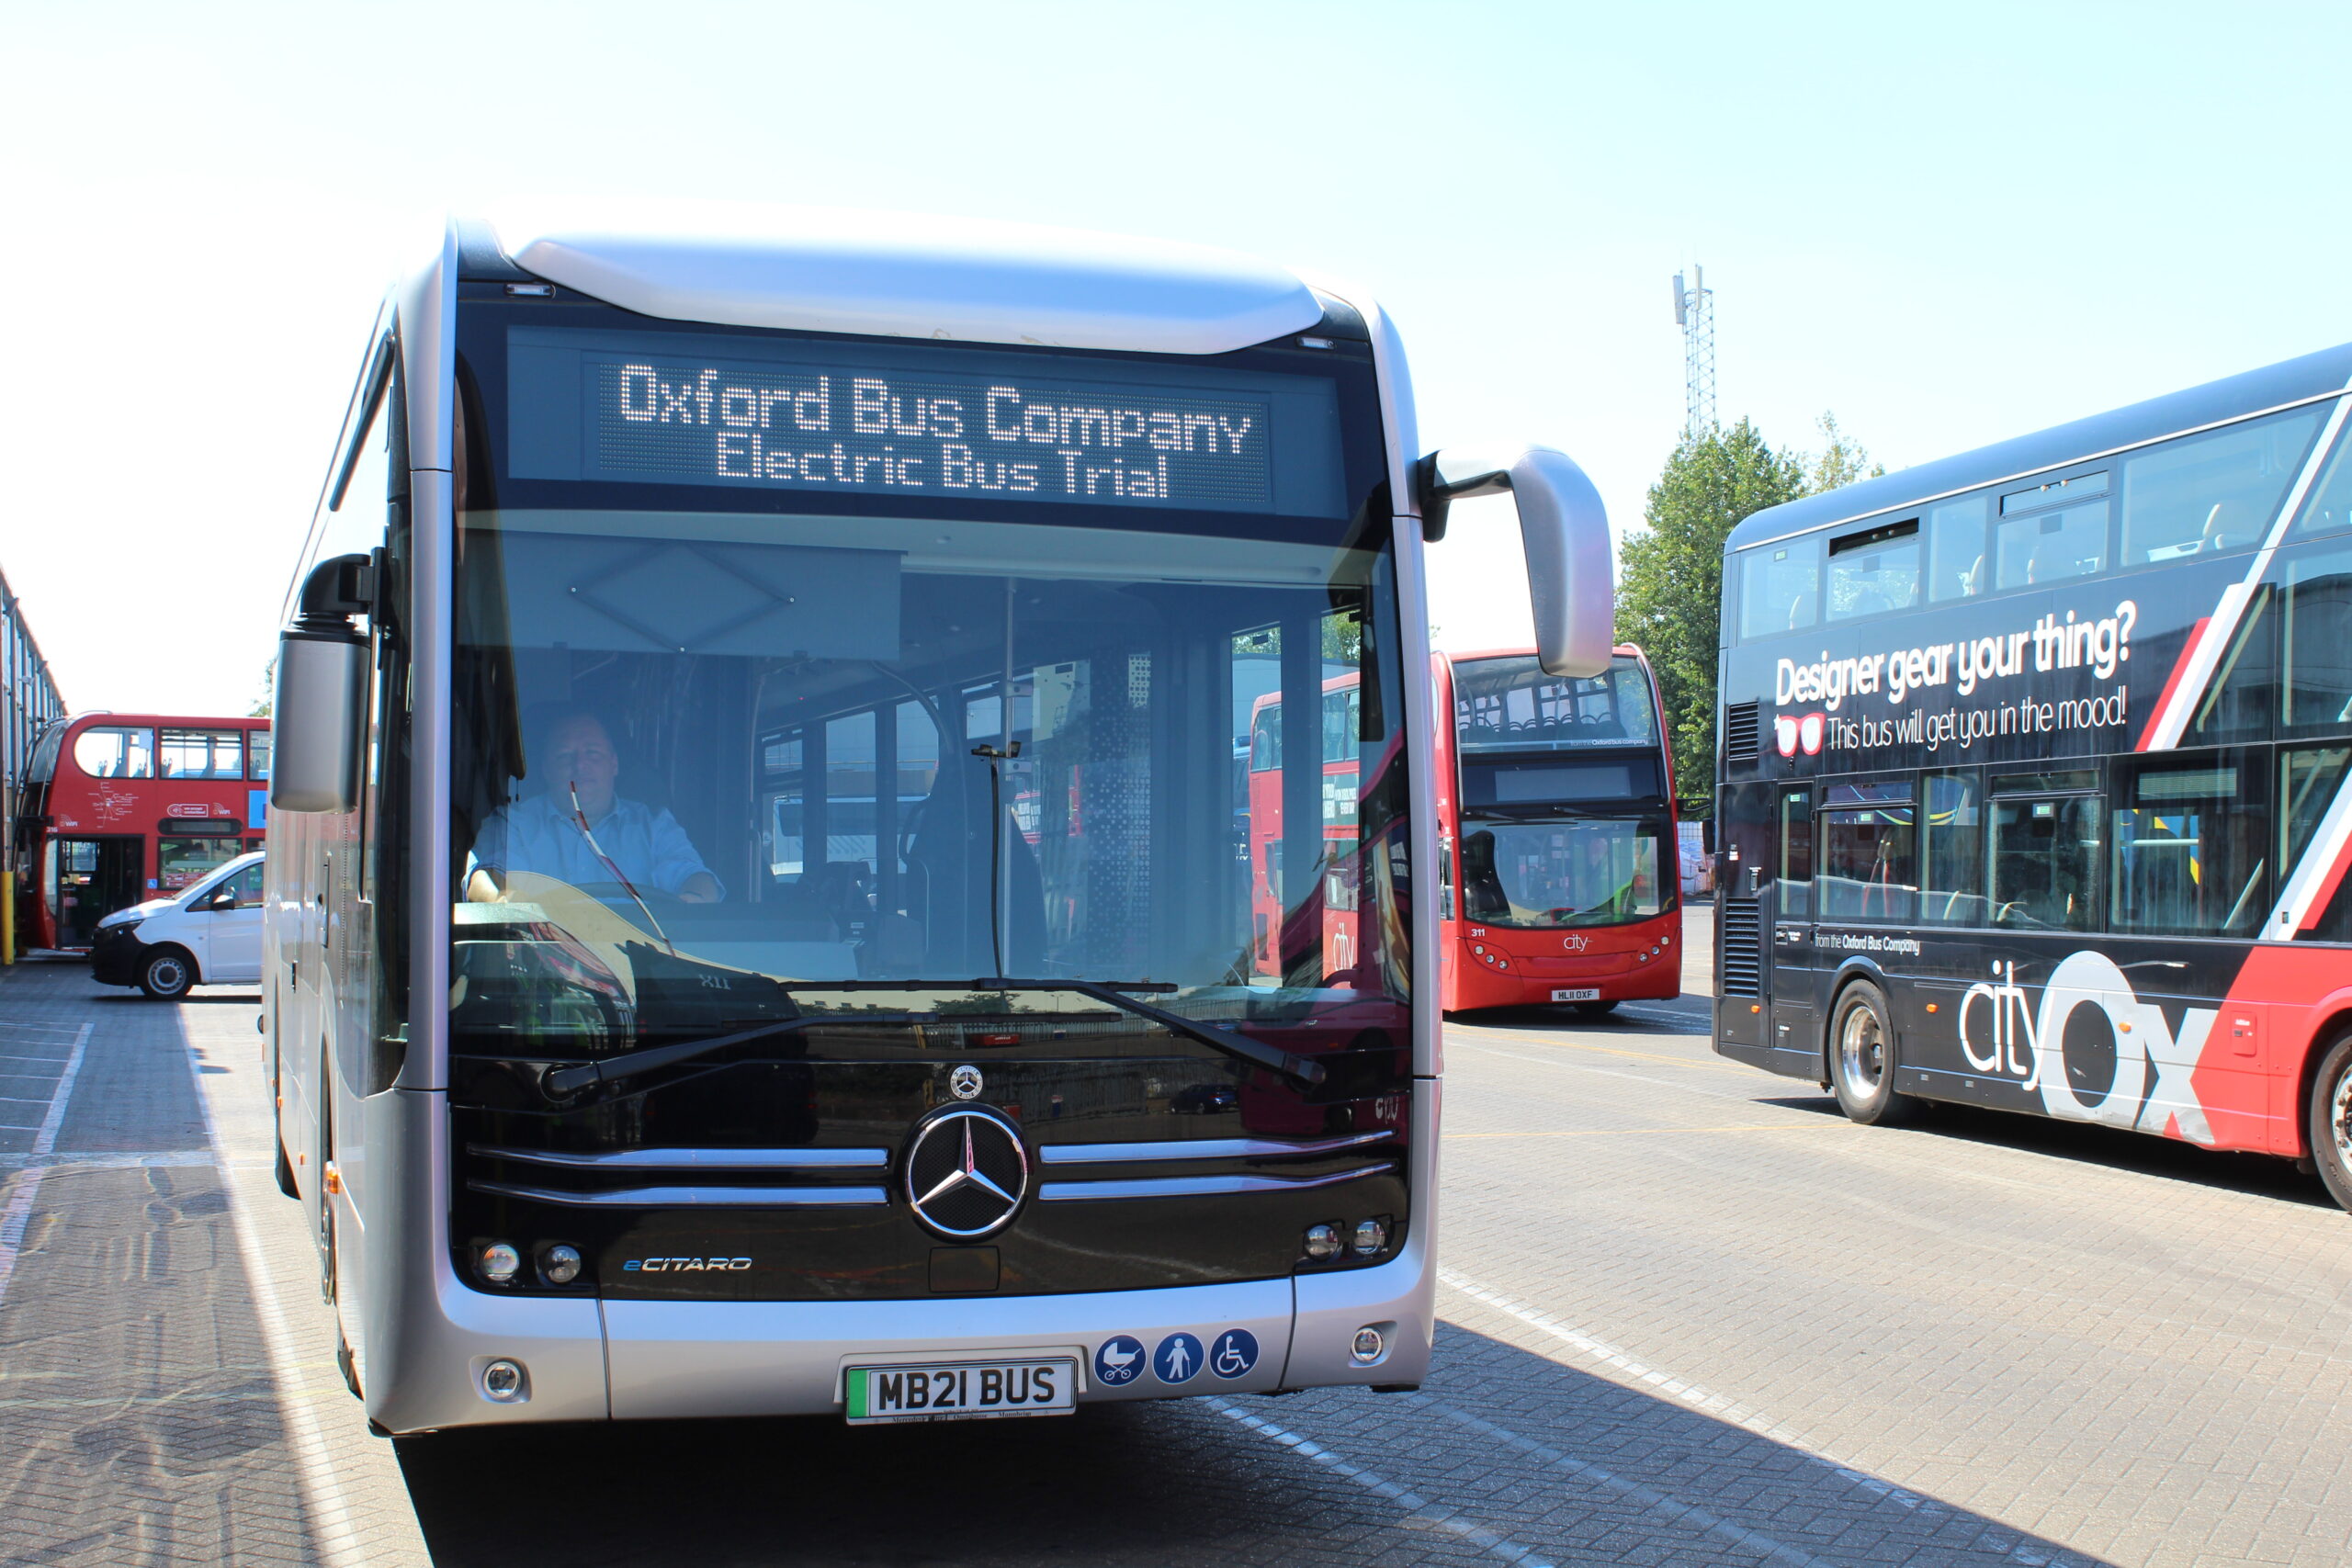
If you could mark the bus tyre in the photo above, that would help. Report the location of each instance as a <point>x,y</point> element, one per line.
<point>1594,1010</point>
<point>1861,1059</point>
<point>2331,1121</point>
<point>168,974</point>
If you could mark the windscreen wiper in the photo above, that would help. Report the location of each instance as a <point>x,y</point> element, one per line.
<point>571,1080</point>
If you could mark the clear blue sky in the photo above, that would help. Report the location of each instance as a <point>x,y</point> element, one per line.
<point>1947,225</point>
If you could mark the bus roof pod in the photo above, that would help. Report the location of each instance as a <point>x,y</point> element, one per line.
<point>898,274</point>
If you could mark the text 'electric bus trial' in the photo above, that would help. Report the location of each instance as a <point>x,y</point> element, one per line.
<point>122,807</point>
<point>2036,776</point>
<point>755,922</point>
<point>1556,808</point>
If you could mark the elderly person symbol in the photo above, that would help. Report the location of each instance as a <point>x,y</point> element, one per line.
<point>578,830</point>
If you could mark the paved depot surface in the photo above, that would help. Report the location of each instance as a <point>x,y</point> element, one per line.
<point>1690,1316</point>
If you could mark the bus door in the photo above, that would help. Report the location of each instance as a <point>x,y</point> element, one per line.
<point>91,878</point>
<point>1792,983</point>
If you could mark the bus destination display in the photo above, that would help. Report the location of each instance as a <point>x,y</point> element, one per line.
<point>745,413</point>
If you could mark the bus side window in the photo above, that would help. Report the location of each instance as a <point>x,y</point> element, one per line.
<point>2046,862</point>
<point>2190,851</point>
<point>2317,629</point>
<point>2329,510</point>
<point>2308,780</point>
<point>2212,492</point>
<point>1956,550</point>
<point>1952,850</point>
<point>1875,573</point>
<point>1796,853</point>
<point>1780,587</point>
<point>112,753</point>
<point>2043,547</point>
<point>1867,863</point>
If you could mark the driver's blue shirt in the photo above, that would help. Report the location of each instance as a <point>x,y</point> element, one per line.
<point>535,835</point>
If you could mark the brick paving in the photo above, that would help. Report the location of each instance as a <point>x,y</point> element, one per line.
<point>1691,1317</point>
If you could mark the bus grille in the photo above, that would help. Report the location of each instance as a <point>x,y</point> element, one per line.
<point>1743,732</point>
<point>1740,949</point>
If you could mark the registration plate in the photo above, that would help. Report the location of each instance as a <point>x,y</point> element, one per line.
<point>960,1391</point>
<point>1577,994</point>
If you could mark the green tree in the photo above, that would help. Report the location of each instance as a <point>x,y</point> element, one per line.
<point>1841,460</point>
<point>1669,582</point>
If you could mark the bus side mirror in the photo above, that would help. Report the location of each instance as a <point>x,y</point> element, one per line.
<point>322,696</point>
<point>1565,530</point>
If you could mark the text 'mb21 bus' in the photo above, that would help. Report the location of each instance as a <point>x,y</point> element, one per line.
<point>1555,817</point>
<point>122,807</point>
<point>2036,776</point>
<point>754,924</point>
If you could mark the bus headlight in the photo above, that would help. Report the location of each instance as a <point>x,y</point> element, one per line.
<point>1370,1237</point>
<point>1322,1243</point>
<point>560,1264</point>
<point>1367,1345</point>
<point>499,1262</point>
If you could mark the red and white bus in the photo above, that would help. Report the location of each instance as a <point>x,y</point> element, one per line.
<point>123,806</point>
<point>2036,776</point>
<point>1556,835</point>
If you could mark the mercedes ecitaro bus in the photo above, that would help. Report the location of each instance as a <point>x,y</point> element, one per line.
<point>756,912</point>
<point>2036,776</point>
<point>1556,810</point>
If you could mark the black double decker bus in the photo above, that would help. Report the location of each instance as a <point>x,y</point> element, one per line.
<point>2036,776</point>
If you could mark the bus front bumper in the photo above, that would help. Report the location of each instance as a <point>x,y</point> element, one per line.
<point>651,1360</point>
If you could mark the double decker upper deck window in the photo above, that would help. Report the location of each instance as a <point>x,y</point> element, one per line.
<point>108,752</point>
<point>2212,492</point>
<point>1874,571</point>
<point>1780,587</point>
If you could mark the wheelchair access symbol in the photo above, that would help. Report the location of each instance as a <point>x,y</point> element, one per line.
<point>1235,1352</point>
<point>1177,1359</point>
<point>1118,1361</point>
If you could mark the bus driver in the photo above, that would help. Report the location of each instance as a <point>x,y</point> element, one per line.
<point>578,830</point>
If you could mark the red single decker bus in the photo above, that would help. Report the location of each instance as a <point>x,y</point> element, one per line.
<point>1556,835</point>
<point>124,808</point>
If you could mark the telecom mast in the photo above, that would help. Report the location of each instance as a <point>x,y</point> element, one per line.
<point>1694,312</point>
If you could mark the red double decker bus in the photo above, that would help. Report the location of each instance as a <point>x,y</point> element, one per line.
<point>123,808</point>
<point>1556,835</point>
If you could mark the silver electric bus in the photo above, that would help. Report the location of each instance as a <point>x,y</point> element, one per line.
<point>759,916</point>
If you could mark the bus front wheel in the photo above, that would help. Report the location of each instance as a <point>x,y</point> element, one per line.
<point>168,974</point>
<point>2331,1121</point>
<point>1861,1059</point>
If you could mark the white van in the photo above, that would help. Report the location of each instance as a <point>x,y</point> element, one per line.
<point>209,935</point>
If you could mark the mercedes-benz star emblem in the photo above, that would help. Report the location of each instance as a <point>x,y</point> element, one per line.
<point>966,1172</point>
<point>966,1082</point>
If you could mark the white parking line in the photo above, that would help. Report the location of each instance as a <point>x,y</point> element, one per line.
<point>19,1208</point>
<point>1707,1401</point>
<point>1419,1511</point>
<point>1688,1514</point>
<point>332,1526</point>
<point>112,1159</point>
